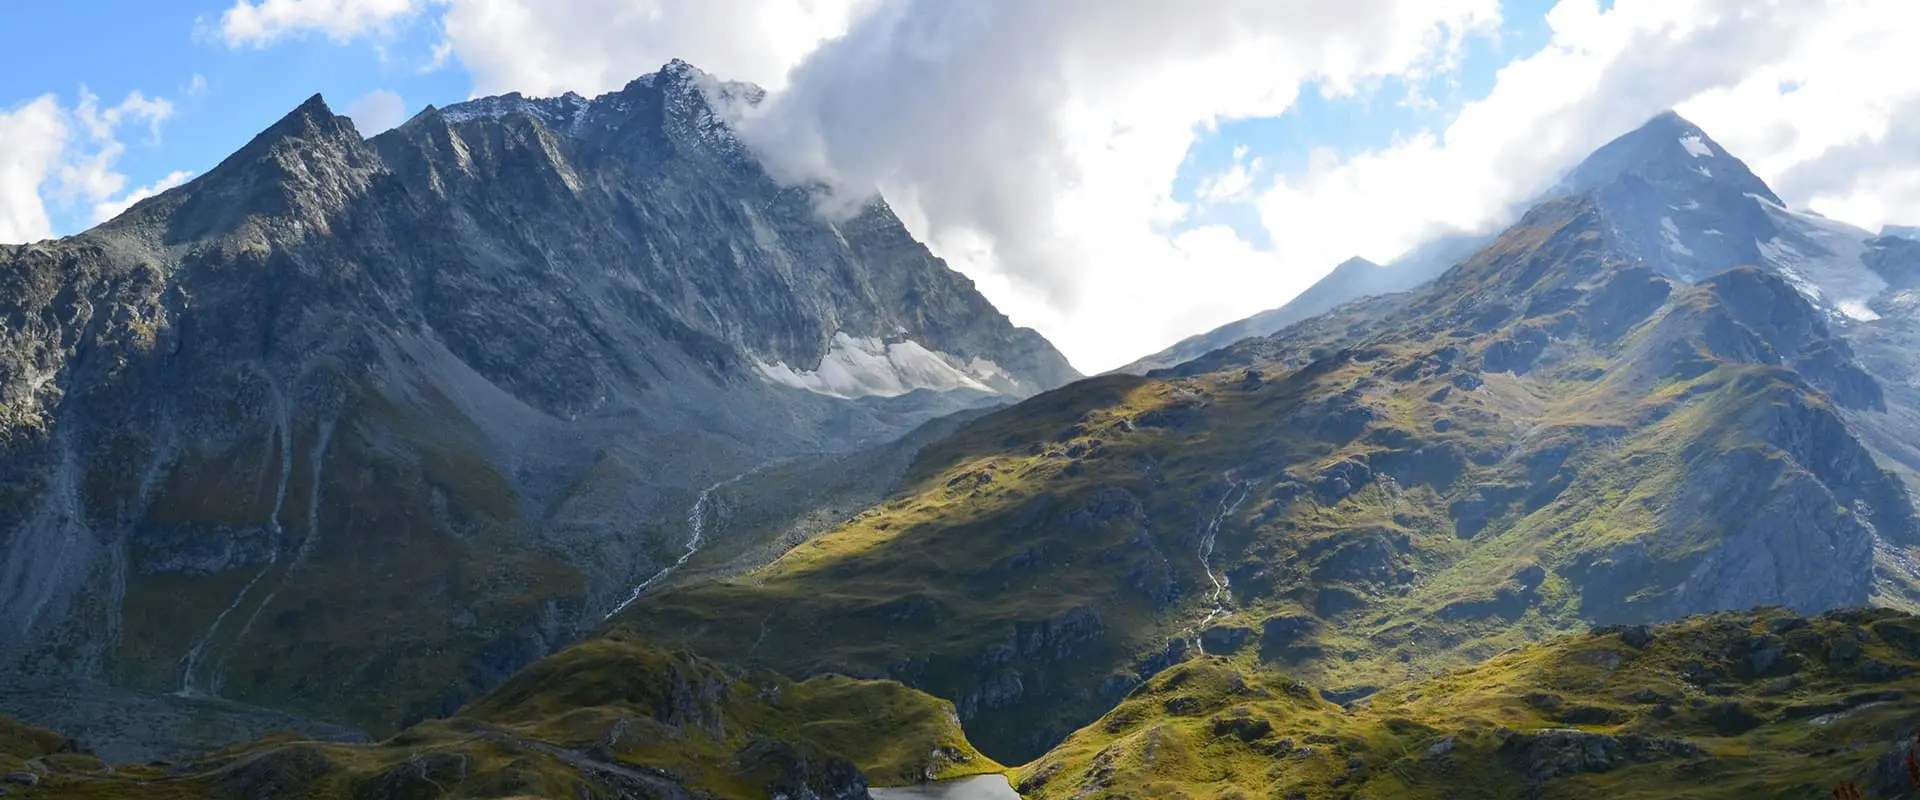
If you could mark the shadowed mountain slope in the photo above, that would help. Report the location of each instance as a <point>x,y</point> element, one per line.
<point>355,428</point>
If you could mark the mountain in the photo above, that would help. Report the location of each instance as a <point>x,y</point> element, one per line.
<point>1553,434</point>
<point>1353,279</point>
<point>1902,231</point>
<point>354,428</point>
<point>558,449</point>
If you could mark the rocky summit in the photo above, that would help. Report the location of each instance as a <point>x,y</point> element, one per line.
<point>355,428</point>
<point>552,447</point>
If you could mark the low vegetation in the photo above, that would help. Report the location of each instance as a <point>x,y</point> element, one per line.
<point>1769,704</point>
<point>612,717</point>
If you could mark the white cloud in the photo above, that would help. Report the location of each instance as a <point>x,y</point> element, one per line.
<point>50,155</point>
<point>110,208</point>
<point>547,47</point>
<point>32,137</point>
<point>89,173</point>
<point>1234,184</point>
<point>442,53</point>
<point>1037,143</point>
<point>377,111</point>
<point>262,22</point>
<point>1833,121</point>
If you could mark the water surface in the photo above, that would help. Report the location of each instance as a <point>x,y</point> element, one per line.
<point>978,787</point>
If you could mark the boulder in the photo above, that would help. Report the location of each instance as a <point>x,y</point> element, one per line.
<point>1554,753</point>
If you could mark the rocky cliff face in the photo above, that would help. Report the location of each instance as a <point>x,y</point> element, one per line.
<point>356,427</point>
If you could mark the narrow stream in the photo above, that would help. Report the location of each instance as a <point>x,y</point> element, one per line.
<point>307,542</point>
<point>189,687</point>
<point>696,536</point>
<point>1222,595</point>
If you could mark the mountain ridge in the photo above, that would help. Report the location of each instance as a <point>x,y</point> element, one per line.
<point>439,398</point>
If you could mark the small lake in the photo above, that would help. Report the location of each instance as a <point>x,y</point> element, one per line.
<point>978,787</point>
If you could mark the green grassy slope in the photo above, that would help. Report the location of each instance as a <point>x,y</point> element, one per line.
<point>1547,437</point>
<point>1767,704</point>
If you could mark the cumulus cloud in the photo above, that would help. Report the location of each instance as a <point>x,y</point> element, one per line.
<point>1232,185</point>
<point>62,157</point>
<point>262,22</point>
<point>32,137</point>
<point>376,111</point>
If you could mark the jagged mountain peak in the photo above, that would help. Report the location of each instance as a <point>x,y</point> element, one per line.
<point>689,105</point>
<point>1669,150</point>
<point>676,69</point>
<point>307,165</point>
<point>679,75</point>
<point>312,120</point>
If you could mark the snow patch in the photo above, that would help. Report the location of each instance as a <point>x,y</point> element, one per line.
<point>567,112</point>
<point>1823,259</point>
<point>1857,310</point>
<point>1695,146</point>
<point>984,369</point>
<point>1704,171</point>
<point>1671,233</point>
<point>868,367</point>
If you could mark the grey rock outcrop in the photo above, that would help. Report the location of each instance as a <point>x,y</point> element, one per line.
<point>1544,755</point>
